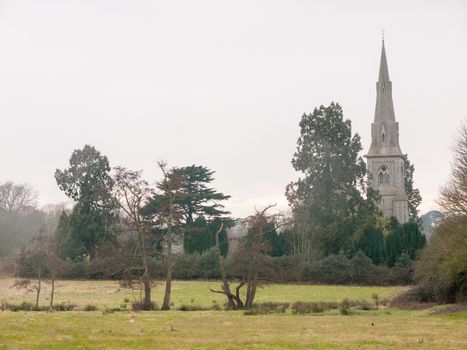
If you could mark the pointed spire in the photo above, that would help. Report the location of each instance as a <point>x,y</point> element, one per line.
<point>383,66</point>
<point>385,129</point>
<point>384,106</point>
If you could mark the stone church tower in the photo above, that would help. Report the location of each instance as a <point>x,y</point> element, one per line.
<point>385,163</point>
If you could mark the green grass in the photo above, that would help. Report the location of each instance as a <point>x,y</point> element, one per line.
<point>226,330</point>
<point>203,330</point>
<point>107,294</point>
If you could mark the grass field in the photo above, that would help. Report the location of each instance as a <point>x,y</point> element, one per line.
<point>376,329</point>
<point>107,294</point>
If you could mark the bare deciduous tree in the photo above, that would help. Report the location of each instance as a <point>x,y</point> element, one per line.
<point>16,198</point>
<point>42,252</point>
<point>234,300</point>
<point>453,196</point>
<point>131,193</point>
<point>247,258</point>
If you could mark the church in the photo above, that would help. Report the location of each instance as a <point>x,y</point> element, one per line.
<point>385,162</point>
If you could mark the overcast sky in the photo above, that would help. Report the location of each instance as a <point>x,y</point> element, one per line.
<point>222,84</point>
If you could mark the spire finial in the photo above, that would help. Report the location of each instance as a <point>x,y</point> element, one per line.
<point>382,35</point>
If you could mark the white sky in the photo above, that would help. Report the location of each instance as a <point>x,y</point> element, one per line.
<point>222,84</point>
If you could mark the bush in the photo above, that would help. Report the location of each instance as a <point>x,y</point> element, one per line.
<point>196,266</point>
<point>365,305</point>
<point>375,298</point>
<point>302,307</point>
<point>414,299</point>
<point>64,307</point>
<point>441,273</point>
<point>90,307</point>
<point>24,306</point>
<point>185,307</point>
<point>333,269</point>
<point>139,306</point>
<point>270,307</point>
<point>338,269</point>
<point>289,268</point>
<point>344,311</point>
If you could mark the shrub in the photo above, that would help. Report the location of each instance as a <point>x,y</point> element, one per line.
<point>375,298</point>
<point>24,306</point>
<point>251,312</point>
<point>414,299</point>
<point>64,307</point>
<point>270,307</point>
<point>90,307</point>
<point>441,273</point>
<point>289,268</point>
<point>185,307</point>
<point>302,307</point>
<point>139,306</point>
<point>344,308</point>
<point>333,269</point>
<point>344,311</point>
<point>3,305</point>
<point>365,305</point>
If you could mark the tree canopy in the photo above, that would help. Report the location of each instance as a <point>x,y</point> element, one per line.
<point>197,204</point>
<point>413,194</point>
<point>333,181</point>
<point>88,182</point>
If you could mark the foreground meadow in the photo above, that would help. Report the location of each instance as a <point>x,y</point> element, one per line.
<point>377,329</point>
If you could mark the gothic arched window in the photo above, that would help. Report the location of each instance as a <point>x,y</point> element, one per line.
<point>383,176</point>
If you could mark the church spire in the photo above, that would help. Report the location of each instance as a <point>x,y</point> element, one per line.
<point>384,106</point>
<point>383,66</point>
<point>385,160</point>
<point>385,129</point>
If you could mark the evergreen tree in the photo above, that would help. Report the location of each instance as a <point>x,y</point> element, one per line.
<point>403,239</point>
<point>334,179</point>
<point>372,244</point>
<point>275,242</point>
<point>413,194</point>
<point>66,248</point>
<point>198,206</point>
<point>203,236</point>
<point>87,181</point>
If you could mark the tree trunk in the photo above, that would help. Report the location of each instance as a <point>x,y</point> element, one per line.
<point>52,292</point>
<point>39,276</point>
<point>147,293</point>
<point>225,283</point>
<point>145,278</point>
<point>168,281</point>
<point>251,282</point>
